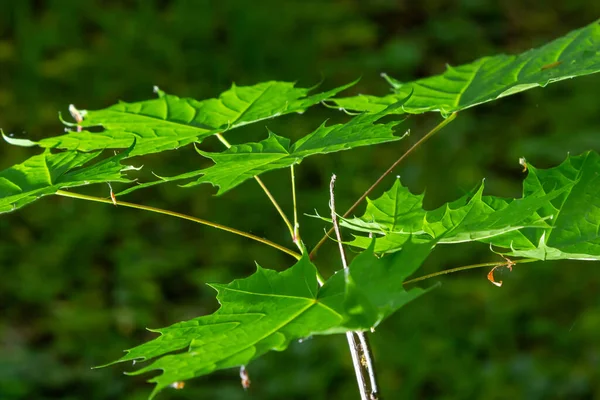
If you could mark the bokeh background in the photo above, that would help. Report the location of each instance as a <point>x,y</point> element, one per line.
<point>79,281</point>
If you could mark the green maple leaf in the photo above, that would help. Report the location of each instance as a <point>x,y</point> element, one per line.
<point>269,309</point>
<point>573,217</point>
<point>490,78</point>
<point>558,216</point>
<point>47,173</point>
<point>242,162</point>
<point>398,215</point>
<point>170,122</point>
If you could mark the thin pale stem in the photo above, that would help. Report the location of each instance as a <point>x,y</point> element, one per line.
<point>334,220</point>
<point>279,210</point>
<point>355,352</point>
<point>296,224</point>
<point>362,346</point>
<point>269,195</point>
<point>182,216</point>
<point>467,267</point>
<point>432,132</point>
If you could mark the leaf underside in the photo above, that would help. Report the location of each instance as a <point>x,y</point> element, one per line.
<point>269,309</point>
<point>169,122</point>
<point>558,216</point>
<point>490,78</point>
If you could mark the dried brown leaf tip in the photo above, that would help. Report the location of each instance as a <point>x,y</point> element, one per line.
<point>245,378</point>
<point>509,264</point>
<point>523,162</point>
<point>77,116</point>
<point>178,385</point>
<point>112,195</point>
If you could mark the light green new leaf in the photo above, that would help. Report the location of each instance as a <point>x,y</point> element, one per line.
<point>242,162</point>
<point>47,173</point>
<point>169,122</point>
<point>490,78</point>
<point>269,309</point>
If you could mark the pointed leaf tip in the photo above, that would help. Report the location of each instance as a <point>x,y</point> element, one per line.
<point>17,141</point>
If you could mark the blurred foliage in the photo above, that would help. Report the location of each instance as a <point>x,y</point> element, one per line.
<point>81,281</point>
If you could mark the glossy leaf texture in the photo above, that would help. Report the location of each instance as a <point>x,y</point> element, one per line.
<point>242,162</point>
<point>490,78</point>
<point>269,309</point>
<point>47,173</point>
<point>558,216</point>
<point>169,122</point>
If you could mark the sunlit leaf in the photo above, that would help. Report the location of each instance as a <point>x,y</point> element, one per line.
<point>242,162</point>
<point>490,78</point>
<point>169,122</point>
<point>47,173</point>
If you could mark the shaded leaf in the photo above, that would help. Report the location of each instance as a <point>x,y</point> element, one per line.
<point>47,173</point>
<point>269,309</point>
<point>169,122</point>
<point>490,78</point>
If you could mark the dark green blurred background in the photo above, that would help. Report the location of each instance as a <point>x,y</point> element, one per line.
<point>80,281</point>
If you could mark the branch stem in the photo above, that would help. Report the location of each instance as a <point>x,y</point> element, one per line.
<point>182,216</point>
<point>370,365</point>
<point>432,132</point>
<point>355,353</point>
<point>360,348</point>
<point>268,193</point>
<point>336,225</point>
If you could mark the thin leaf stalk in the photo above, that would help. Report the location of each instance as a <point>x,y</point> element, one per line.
<point>269,195</point>
<point>468,267</point>
<point>182,216</point>
<point>296,224</point>
<point>432,132</point>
